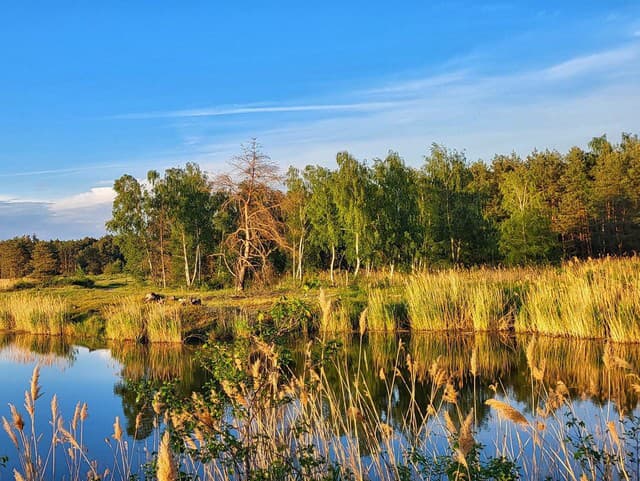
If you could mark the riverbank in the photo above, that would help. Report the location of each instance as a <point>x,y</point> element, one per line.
<point>597,299</point>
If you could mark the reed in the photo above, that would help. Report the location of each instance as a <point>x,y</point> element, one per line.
<point>381,310</point>
<point>164,323</point>
<point>34,313</point>
<point>592,299</point>
<point>125,320</point>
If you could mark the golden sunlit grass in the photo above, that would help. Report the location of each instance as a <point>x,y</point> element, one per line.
<point>35,313</point>
<point>132,320</point>
<point>125,320</point>
<point>381,315</point>
<point>164,323</point>
<point>593,299</point>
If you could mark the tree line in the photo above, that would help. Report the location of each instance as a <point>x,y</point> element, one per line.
<point>28,256</point>
<point>252,224</point>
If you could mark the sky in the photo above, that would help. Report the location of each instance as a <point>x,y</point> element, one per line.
<point>92,90</point>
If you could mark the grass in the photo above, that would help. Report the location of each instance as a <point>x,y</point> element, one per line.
<point>34,313</point>
<point>125,320</point>
<point>591,299</point>
<point>164,323</point>
<point>131,319</point>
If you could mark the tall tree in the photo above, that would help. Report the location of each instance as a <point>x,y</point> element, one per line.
<point>130,223</point>
<point>396,211</point>
<point>186,195</point>
<point>44,260</point>
<point>454,209</point>
<point>352,191</point>
<point>295,209</point>
<point>256,204</point>
<point>324,222</point>
<point>15,257</point>
<point>526,235</point>
<point>574,209</point>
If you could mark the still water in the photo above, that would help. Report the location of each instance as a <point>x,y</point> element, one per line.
<point>104,377</point>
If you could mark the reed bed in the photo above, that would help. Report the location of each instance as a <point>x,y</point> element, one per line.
<point>384,310</point>
<point>132,320</point>
<point>458,300</point>
<point>593,299</point>
<point>125,320</point>
<point>34,313</point>
<point>164,323</point>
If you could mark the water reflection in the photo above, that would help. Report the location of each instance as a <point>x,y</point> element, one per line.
<point>150,365</point>
<point>479,364</point>
<point>110,377</point>
<point>32,349</point>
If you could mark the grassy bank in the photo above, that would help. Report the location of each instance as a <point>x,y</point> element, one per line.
<point>593,299</point>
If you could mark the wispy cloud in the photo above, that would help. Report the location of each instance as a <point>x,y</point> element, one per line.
<point>595,62</point>
<point>554,106</point>
<point>70,170</point>
<point>254,109</point>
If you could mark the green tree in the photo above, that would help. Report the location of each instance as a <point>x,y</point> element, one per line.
<point>574,209</point>
<point>453,210</point>
<point>190,208</point>
<point>15,257</point>
<point>397,219</point>
<point>352,191</point>
<point>130,223</point>
<point>44,260</point>
<point>325,232</point>
<point>295,208</point>
<point>526,235</point>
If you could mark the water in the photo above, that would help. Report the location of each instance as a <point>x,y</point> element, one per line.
<point>105,377</point>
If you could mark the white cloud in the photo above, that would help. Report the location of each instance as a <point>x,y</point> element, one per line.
<point>86,200</point>
<point>76,216</point>
<point>595,62</point>
<point>252,109</point>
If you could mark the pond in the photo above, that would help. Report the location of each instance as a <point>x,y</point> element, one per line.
<point>479,368</point>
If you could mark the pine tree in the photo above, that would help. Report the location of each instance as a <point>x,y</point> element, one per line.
<point>44,260</point>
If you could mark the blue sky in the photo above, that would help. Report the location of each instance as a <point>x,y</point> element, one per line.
<point>92,90</point>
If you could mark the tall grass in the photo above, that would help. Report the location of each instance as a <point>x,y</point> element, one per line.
<point>385,310</point>
<point>34,313</point>
<point>458,300</point>
<point>164,323</point>
<point>132,320</point>
<point>593,299</point>
<point>125,320</point>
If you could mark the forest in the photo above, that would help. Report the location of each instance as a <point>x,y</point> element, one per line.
<point>254,223</point>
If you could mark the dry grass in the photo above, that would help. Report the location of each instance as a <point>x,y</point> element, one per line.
<point>164,323</point>
<point>34,313</point>
<point>593,299</point>
<point>132,320</point>
<point>125,320</point>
